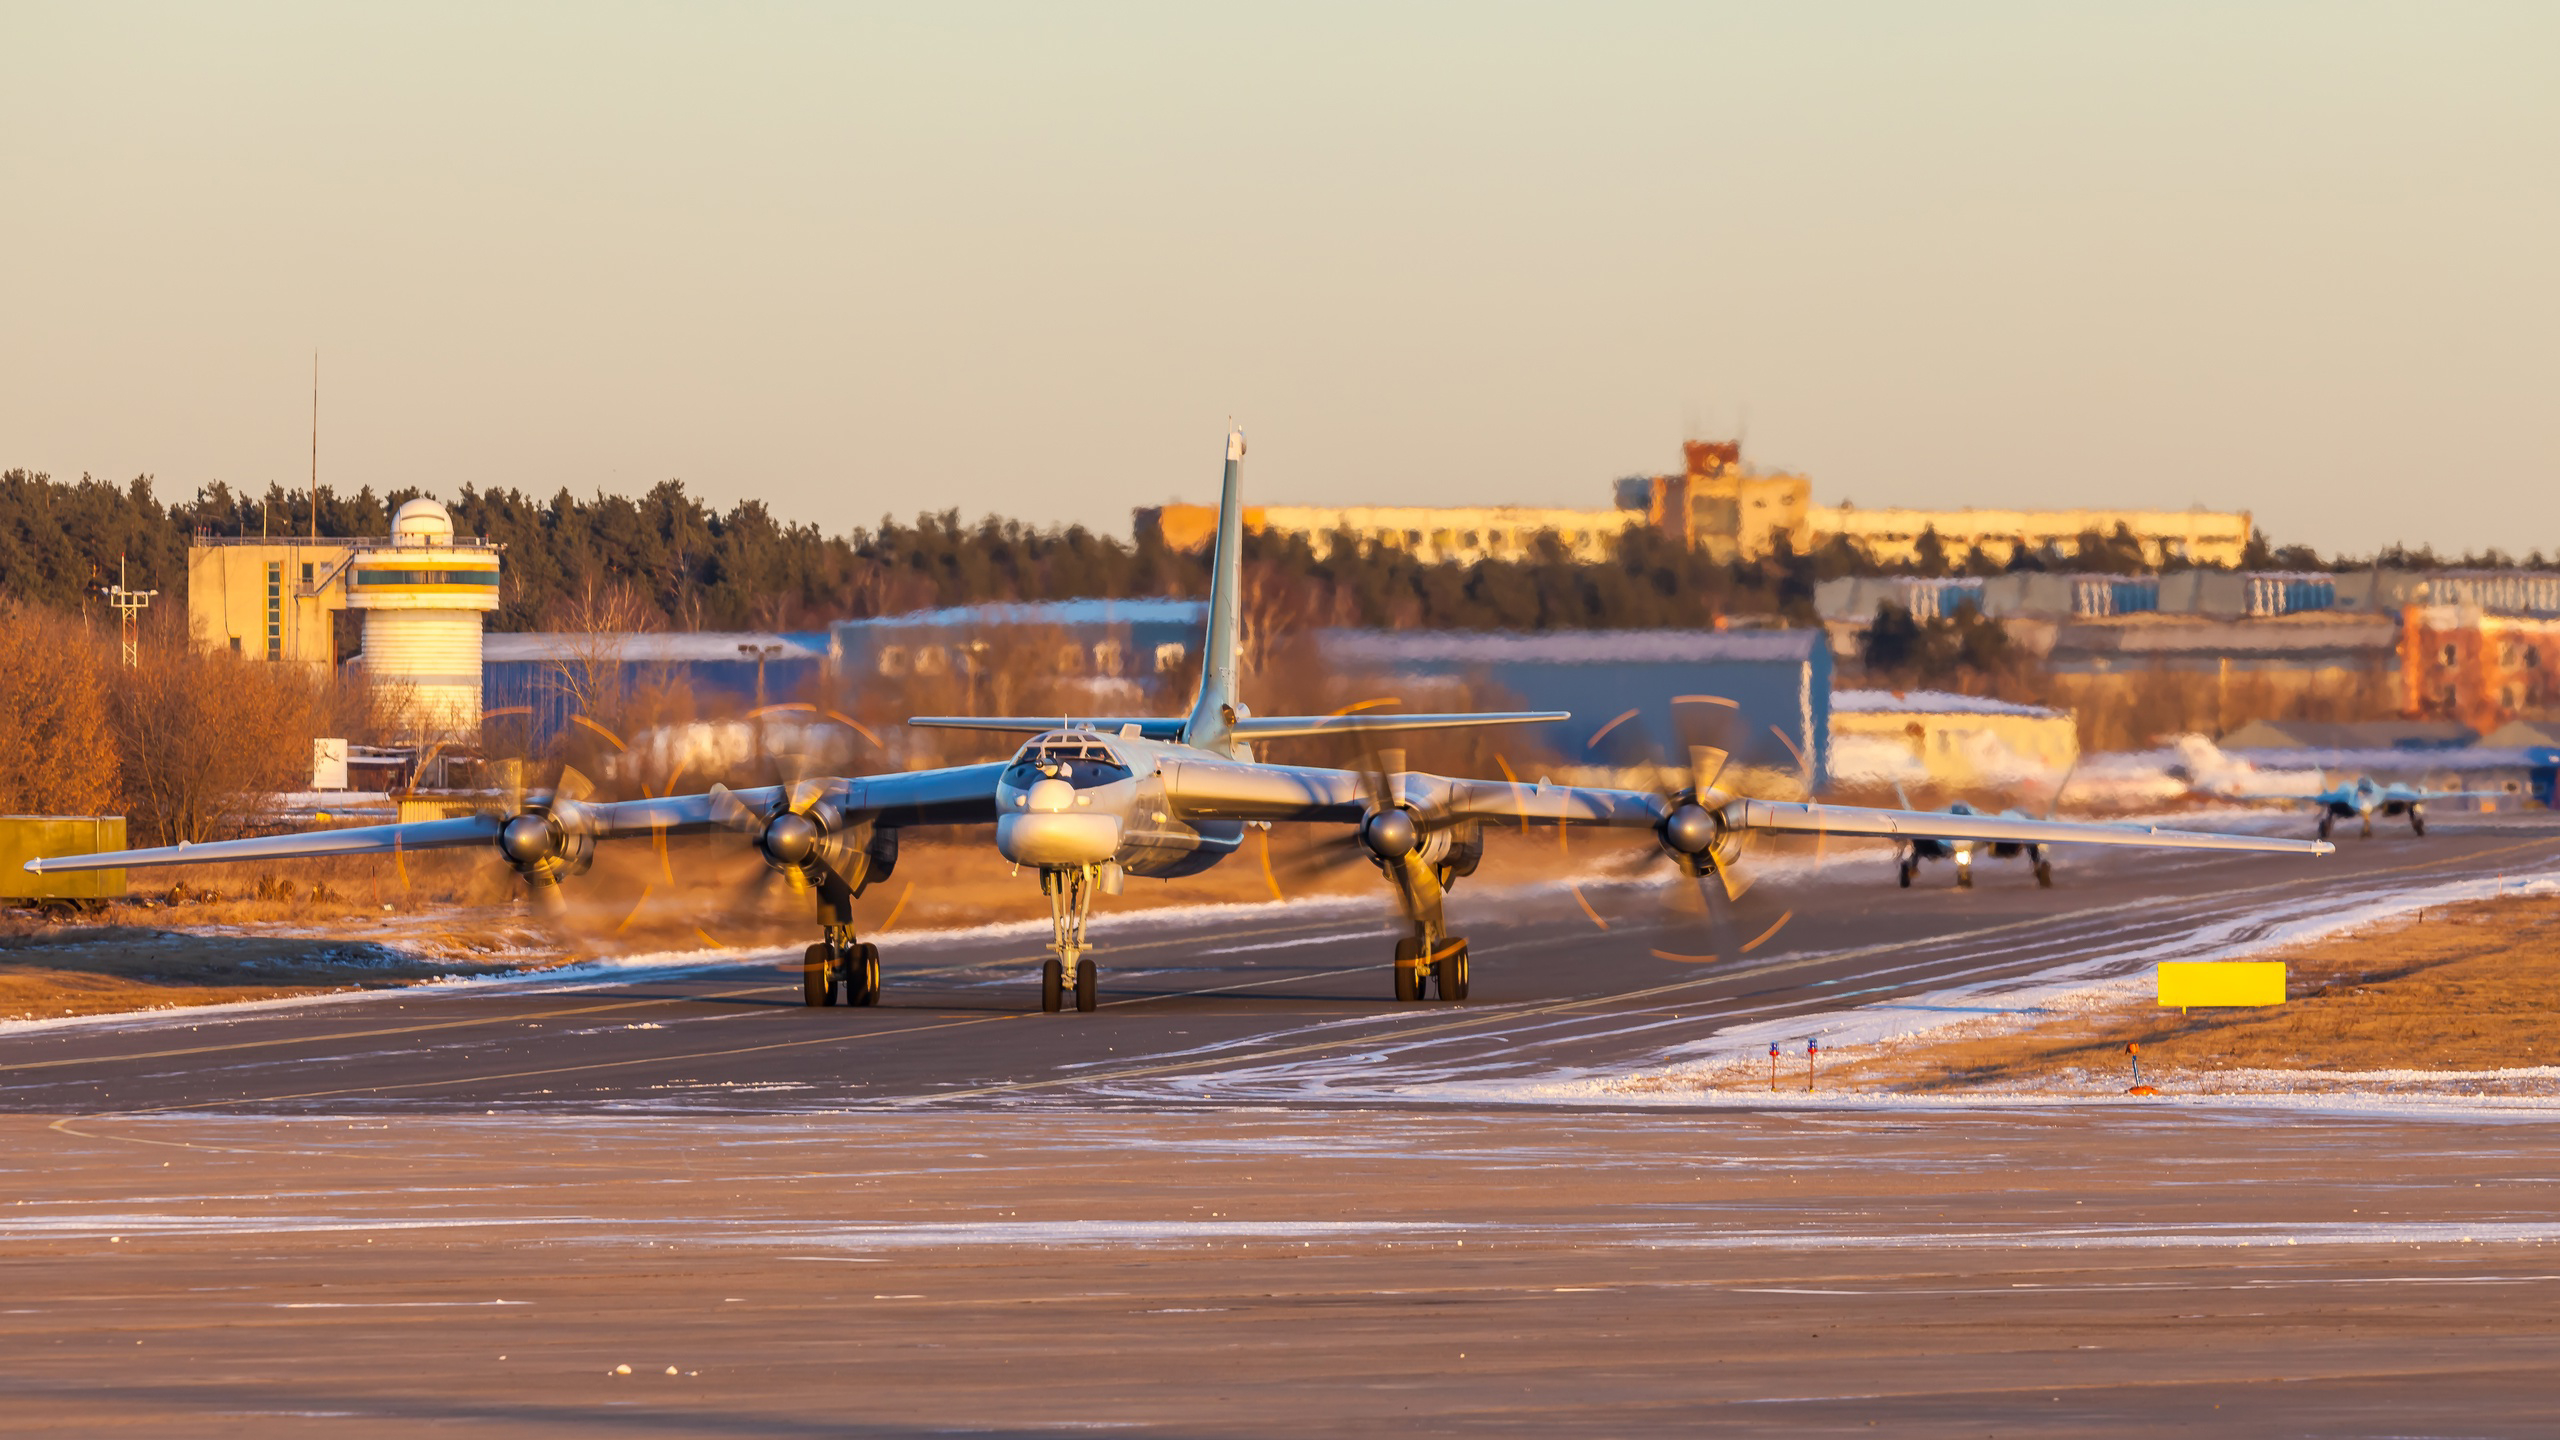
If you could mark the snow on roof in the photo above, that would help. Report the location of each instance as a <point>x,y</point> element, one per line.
<point>1047,612</point>
<point>1573,647</point>
<point>1930,702</point>
<point>2344,765</point>
<point>645,646</point>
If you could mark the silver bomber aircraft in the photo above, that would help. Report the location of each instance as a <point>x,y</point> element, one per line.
<point>1088,802</point>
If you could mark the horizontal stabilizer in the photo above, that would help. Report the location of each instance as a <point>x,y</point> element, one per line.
<point>1282,727</point>
<point>1152,727</point>
<point>311,844</point>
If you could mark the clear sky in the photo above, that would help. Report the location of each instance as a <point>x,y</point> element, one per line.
<point>2298,259</point>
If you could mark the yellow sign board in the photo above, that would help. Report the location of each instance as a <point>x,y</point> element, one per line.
<point>24,837</point>
<point>2221,982</point>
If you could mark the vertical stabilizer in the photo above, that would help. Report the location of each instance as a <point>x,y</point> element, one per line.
<point>1213,714</point>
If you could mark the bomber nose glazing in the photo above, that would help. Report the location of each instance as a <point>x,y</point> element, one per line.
<point>1050,828</point>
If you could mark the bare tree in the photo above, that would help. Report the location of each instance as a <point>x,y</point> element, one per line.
<point>57,753</point>
<point>206,740</point>
<point>594,670</point>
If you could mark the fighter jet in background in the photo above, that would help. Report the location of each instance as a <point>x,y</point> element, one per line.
<point>2368,797</point>
<point>1908,854</point>
<point>1087,803</point>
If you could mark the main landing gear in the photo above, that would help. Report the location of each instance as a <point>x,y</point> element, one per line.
<point>847,968</point>
<point>842,964</point>
<point>1419,963</point>
<point>1070,891</point>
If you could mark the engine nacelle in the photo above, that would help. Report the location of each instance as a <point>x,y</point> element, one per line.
<point>879,857</point>
<point>1456,851</point>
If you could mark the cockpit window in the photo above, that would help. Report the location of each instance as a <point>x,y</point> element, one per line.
<point>1077,756</point>
<point>1068,747</point>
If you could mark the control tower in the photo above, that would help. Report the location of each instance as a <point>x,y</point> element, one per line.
<point>422,597</point>
<point>421,591</point>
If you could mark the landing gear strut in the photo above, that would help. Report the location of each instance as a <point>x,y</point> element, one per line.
<point>1070,891</point>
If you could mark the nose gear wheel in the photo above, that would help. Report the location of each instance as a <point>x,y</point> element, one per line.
<point>1070,890</point>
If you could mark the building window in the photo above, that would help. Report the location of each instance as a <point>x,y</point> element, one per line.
<point>1106,658</point>
<point>2452,656</point>
<point>275,609</point>
<point>1169,656</point>
<point>931,661</point>
<point>893,660</point>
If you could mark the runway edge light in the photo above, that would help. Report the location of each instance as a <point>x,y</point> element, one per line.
<point>2186,983</point>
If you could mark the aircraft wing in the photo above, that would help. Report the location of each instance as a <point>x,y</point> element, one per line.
<point>1858,820</point>
<point>307,845</point>
<point>961,795</point>
<point>1230,790</point>
<point>2405,794</point>
<point>957,795</point>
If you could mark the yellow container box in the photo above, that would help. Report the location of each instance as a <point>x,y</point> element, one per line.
<point>28,837</point>
<point>2186,983</point>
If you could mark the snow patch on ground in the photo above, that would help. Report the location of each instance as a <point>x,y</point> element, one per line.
<point>1734,1056</point>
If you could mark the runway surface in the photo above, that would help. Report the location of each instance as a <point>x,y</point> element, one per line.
<point>1232,1004</point>
<point>1253,1196</point>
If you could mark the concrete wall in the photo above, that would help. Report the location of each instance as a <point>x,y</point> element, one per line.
<point>228,601</point>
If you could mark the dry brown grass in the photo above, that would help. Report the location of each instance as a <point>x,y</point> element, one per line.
<point>2468,987</point>
<point>196,935</point>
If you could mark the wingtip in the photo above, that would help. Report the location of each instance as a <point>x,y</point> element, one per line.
<point>1235,442</point>
<point>34,867</point>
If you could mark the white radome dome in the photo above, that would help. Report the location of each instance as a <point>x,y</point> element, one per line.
<point>422,522</point>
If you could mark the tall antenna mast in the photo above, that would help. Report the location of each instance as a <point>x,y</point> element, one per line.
<point>129,605</point>
<point>315,445</point>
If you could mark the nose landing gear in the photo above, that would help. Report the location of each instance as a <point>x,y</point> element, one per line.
<point>1070,891</point>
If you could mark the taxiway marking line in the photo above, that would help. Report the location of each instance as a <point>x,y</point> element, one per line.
<point>1474,1021</point>
<point>1482,1019</point>
<point>592,1065</point>
<point>370,1034</point>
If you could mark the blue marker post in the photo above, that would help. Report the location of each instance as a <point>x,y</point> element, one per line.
<point>1773,1064</point>
<point>1812,1048</point>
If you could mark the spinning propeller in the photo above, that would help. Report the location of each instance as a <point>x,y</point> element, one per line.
<point>1701,834</point>
<point>547,835</point>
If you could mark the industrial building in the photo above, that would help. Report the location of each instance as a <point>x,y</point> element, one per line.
<point>1637,696</point>
<point>1718,504</point>
<point>1431,534</point>
<point>1908,737</point>
<point>538,680</point>
<point>1124,640</point>
<point>422,591</point>
<point>2478,647</point>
